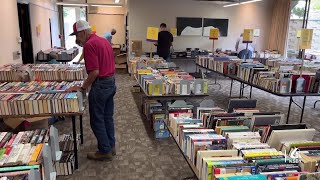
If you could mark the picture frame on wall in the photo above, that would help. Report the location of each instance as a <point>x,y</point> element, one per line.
<point>221,24</point>
<point>189,26</point>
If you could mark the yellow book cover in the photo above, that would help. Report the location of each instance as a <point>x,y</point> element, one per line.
<point>261,154</point>
<point>35,154</point>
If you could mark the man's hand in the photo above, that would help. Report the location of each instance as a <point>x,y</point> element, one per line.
<point>74,89</point>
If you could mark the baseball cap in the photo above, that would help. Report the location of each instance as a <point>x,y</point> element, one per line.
<point>80,26</point>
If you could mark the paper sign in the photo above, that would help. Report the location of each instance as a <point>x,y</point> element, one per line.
<point>94,28</point>
<point>38,29</point>
<point>214,33</point>
<point>299,34</point>
<point>174,32</point>
<point>256,32</point>
<point>152,34</point>
<point>306,38</point>
<point>248,35</point>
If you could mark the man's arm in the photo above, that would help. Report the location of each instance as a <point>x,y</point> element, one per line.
<point>91,78</point>
<point>87,83</point>
<point>80,59</point>
<point>237,44</point>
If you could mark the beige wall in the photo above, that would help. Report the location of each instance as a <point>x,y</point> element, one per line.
<point>40,13</point>
<point>144,13</point>
<point>106,18</point>
<point>9,32</point>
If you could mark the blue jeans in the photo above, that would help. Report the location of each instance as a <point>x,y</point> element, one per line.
<point>242,54</point>
<point>101,108</point>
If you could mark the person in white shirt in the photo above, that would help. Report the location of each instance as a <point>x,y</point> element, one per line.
<point>241,48</point>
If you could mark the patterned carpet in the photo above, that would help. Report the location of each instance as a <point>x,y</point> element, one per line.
<point>140,155</point>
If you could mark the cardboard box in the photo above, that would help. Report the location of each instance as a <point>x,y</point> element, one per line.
<point>27,123</point>
<point>136,47</point>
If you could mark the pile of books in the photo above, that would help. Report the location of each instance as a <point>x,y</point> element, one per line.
<point>23,148</point>
<point>167,81</point>
<point>36,86</point>
<point>244,144</point>
<point>30,104</point>
<point>155,114</point>
<point>66,165</point>
<point>44,72</point>
<point>280,76</point>
<point>66,142</point>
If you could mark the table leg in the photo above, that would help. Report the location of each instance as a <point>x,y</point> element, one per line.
<point>81,129</point>
<point>231,87</point>
<point>315,104</point>
<point>303,106</point>
<point>289,109</point>
<point>240,95</point>
<point>250,92</point>
<point>75,148</point>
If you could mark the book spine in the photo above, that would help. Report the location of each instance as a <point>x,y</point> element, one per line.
<point>14,155</point>
<point>18,138</point>
<point>35,154</point>
<point>5,156</point>
<point>24,153</point>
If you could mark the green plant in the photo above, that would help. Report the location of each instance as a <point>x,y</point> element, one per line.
<point>298,12</point>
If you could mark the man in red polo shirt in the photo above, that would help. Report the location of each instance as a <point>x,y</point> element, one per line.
<point>100,66</point>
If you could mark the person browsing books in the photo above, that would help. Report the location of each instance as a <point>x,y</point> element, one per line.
<point>241,48</point>
<point>109,35</point>
<point>164,43</point>
<point>100,66</point>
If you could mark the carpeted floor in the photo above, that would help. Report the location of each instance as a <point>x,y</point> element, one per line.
<point>140,155</point>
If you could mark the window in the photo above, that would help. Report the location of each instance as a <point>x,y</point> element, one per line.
<point>314,23</point>
<point>70,16</point>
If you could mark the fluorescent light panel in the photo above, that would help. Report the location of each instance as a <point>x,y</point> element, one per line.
<point>96,5</point>
<point>105,5</point>
<point>252,1</point>
<point>116,1</point>
<point>245,2</point>
<point>229,5</point>
<point>70,4</point>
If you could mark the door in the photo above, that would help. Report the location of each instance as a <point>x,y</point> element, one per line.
<point>25,33</point>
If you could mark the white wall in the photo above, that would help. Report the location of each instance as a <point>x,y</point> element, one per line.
<point>144,13</point>
<point>40,13</point>
<point>9,32</point>
<point>106,18</point>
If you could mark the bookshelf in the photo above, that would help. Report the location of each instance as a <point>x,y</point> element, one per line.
<point>242,87</point>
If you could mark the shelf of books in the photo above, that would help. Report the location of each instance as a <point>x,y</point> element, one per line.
<point>43,72</point>
<point>157,78</point>
<point>278,77</point>
<point>244,144</point>
<point>29,154</point>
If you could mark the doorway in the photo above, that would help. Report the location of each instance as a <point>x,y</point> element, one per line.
<point>25,33</point>
<point>70,16</point>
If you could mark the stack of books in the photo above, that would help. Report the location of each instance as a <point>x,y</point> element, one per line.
<point>245,144</point>
<point>66,165</point>
<point>279,76</point>
<point>31,104</point>
<point>44,72</point>
<point>168,81</point>
<point>23,148</point>
<point>66,142</point>
<point>36,86</point>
